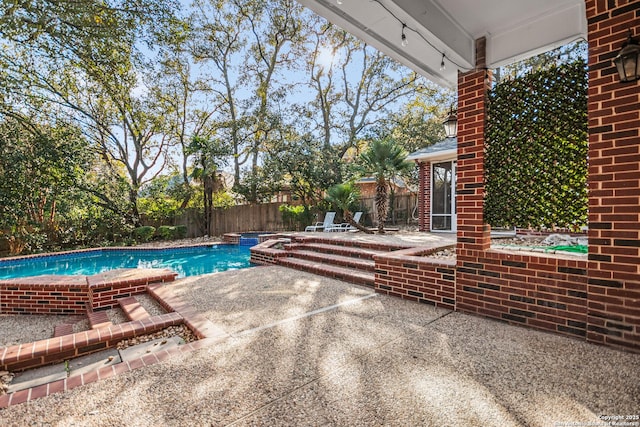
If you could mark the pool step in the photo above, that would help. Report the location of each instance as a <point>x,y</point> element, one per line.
<point>132,308</point>
<point>351,275</point>
<point>98,319</point>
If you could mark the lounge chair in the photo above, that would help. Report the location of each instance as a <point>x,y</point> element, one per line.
<point>325,225</point>
<point>345,226</point>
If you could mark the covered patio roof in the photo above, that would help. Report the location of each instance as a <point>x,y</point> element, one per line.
<point>514,29</point>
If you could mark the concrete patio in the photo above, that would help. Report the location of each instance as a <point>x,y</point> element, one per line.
<point>308,350</point>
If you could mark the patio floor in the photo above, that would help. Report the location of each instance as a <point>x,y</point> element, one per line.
<point>308,350</point>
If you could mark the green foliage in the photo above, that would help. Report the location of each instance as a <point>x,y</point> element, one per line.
<point>168,232</point>
<point>383,160</point>
<point>164,232</point>
<point>40,168</point>
<point>223,200</point>
<point>159,208</point>
<point>536,159</point>
<point>180,232</point>
<point>344,197</point>
<point>303,166</point>
<point>144,233</point>
<point>296,216</point>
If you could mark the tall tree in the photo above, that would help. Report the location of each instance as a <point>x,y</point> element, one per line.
<point>219,38</point>
<point>40,165</point>
<point>277,31</point>
<point>85,57</point>
<point>208,155</point>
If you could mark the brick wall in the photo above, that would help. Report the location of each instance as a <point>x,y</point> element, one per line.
<point>408,274</point>
<point>41,299</point>
<point>104,292</point>
<point>614,179</point>
<point>75,294</point>
<point>424,196</point>
<point>542,292</point>
<point>264,254</point>
<point>473,234</point>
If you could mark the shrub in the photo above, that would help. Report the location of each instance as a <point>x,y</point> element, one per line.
<point>180,231</point>
<point>144,233</point>
<point>295,216</point>
<point>165,232</point>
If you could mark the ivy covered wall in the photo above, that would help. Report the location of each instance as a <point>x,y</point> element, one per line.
<point>536,150</point>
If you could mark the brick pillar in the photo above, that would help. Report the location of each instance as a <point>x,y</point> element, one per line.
<point>614,179</point>
<point>473,234</point>
<point>473,86</point>
<point>424,196</point>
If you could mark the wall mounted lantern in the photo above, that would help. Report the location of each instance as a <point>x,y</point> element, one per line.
<point>451,124</point>
<point>628,60</point>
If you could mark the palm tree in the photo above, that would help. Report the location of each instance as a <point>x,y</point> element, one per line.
<point>345,197</point>
<point>383,160</point>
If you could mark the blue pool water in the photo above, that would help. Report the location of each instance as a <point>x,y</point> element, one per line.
<point>184,261</point>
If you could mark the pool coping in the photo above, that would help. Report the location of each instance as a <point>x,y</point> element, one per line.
<point>106,249</point>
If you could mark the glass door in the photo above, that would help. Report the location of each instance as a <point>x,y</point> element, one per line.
<point>443,200</point>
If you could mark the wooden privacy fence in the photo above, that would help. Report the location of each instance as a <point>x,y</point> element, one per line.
<point>400,209</point>
<point>267,217</point>
<point>258,217</point>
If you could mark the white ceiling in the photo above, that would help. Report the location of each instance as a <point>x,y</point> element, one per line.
<point>515,29</point>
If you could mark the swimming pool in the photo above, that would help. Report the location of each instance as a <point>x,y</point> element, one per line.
<point>188,261</point>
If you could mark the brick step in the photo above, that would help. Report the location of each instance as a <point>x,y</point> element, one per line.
<point>98,319</point>
<point>335,260</point>
<point>375,247</point>
<point>350,251</point>
<point>322,269</point>
<point>62,329</point>
<point>132,308</point>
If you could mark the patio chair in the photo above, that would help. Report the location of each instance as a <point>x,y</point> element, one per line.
<point>345,226</point>
<point>325,225</point>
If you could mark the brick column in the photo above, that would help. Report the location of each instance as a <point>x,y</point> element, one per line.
<point>424,196</point>
<point>473,233</point>
<point>614,179</point>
